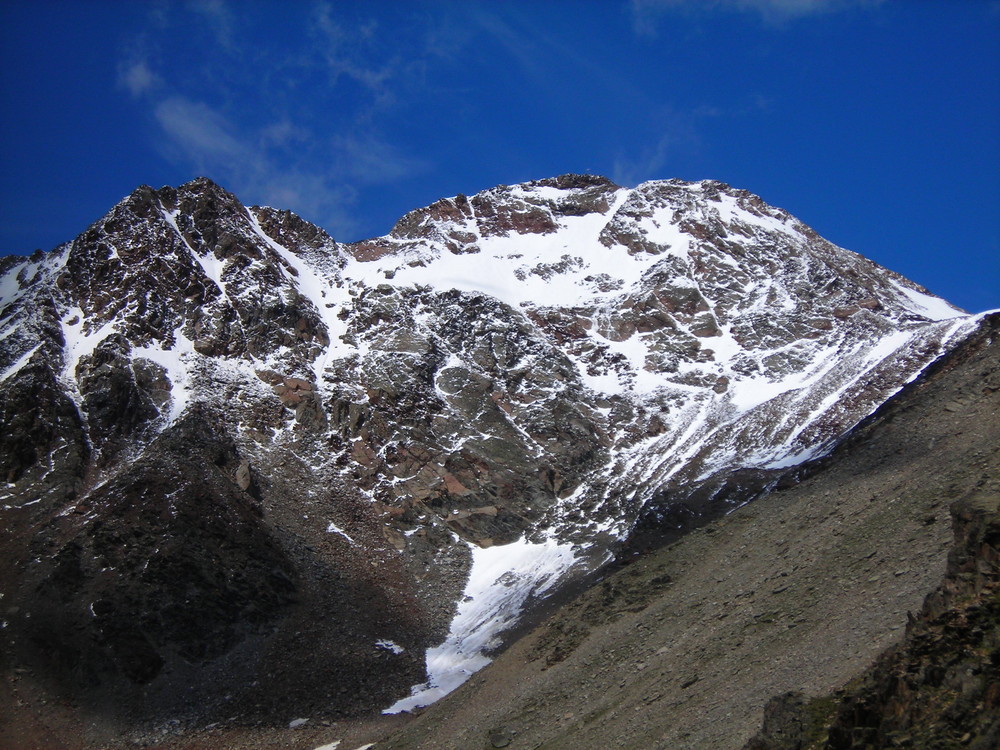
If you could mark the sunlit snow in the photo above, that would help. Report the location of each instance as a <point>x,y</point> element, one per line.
<point>543,269</point>
<point>21,362</point>
<point>501,580</point>
<point>176,361</point>
<point>927,306</point>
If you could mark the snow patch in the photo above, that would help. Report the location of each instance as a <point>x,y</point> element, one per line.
<point>10,287</point>
<point>176,361</point>
<point>324,295</point>
<point>336,743</point>
<point>335,529</point>
<point>927,305</point>
<point>211,265</point>
<point>388,645</point>
<point>79,342</point>
<point>501,580</point>
<point>21,362</point>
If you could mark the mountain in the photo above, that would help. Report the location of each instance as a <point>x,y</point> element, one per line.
<point>856,606</point>
<point>226,435</point>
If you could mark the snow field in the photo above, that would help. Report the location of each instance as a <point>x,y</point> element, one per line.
<point>501,580</point>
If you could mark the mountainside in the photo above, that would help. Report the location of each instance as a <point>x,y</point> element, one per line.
<point>225,434</point>
<point>794,597</point>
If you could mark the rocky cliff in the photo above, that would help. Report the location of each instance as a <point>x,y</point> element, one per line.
<point>224,434</point>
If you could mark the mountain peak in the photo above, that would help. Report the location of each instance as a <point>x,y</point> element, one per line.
<point>572,181</point>
<point>484,403</point>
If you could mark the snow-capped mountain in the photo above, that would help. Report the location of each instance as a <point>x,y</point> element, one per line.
<point>225,432</point>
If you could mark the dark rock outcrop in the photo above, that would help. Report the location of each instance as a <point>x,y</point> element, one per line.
<point>940,687</point>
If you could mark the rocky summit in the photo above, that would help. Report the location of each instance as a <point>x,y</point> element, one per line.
<point>249,472</point>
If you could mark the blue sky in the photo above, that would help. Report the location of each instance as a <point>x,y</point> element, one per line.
<point>876,122</point>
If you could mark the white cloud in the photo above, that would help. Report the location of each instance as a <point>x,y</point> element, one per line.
<point>200,133</point>
<point>299,127</point>
<point>136,77</point>
<point>646,14</point>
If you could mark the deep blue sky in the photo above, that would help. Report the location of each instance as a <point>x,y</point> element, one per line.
<point>876,122</point>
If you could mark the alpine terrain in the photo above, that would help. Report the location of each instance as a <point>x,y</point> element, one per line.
<point>249,473</point>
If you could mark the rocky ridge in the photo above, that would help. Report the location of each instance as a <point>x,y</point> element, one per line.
<point>537,368</point>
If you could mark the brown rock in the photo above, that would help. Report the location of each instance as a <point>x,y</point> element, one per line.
<point>453,486</point>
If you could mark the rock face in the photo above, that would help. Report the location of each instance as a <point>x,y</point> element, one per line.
<point>794,595</point>
<point>222,432</point>
<point>938,687</point>
<point>941,685</point>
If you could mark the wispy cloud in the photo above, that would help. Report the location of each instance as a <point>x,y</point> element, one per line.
<point>341,47</point>
<point>242,119</point>
<point>284,132</point>
<point>136,77</point>
<point>553,66</point>
<point>198,135</point>
<point>647,14</point>
<point>220,18</point>
<point>545,59</point>
<point>202,134</point>
<point>676,133</point>
<point>630,170</point>
<point>375,161</point>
